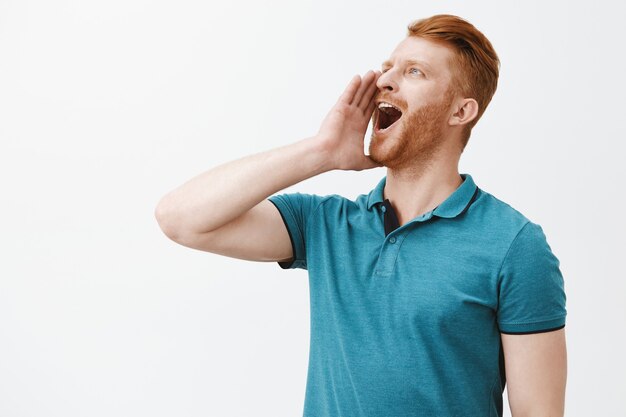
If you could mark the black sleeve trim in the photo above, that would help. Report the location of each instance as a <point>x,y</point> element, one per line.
<point>287,264</point>
<point>536,331</point>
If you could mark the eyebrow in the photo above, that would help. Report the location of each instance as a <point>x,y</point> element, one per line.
<point>410,62</point>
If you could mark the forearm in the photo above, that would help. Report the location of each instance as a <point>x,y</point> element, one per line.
<point>223,193</point>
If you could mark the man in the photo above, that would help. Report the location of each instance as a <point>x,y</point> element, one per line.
<point>428,294</point>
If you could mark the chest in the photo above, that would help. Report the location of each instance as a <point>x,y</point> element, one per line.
<point>431,274</point>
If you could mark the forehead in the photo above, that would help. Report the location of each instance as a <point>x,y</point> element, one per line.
<point>433,55</point>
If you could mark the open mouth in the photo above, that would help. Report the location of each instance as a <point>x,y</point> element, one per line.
<point>387,116</point>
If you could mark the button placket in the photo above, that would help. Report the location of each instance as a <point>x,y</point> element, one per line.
<point>388,255</point>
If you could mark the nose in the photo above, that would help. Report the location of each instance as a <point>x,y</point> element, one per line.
<point>386,82</point>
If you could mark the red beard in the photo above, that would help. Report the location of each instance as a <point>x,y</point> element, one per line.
<point>414,139</point>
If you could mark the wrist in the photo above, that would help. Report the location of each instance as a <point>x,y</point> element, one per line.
<point>320,154</point>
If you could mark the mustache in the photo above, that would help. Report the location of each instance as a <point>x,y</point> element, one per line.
<point>396,101</point>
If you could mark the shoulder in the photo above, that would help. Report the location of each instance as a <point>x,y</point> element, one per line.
<point>518,235</point>
<point>500,214</point>
<point>336,202</point>
<point>501,226</point>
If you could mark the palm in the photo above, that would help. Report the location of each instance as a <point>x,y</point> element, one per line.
<point>344,127</point>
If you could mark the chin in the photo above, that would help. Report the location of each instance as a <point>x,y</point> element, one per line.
<point>381,148</point>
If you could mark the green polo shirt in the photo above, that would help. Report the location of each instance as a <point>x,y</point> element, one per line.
<point>406,321</point>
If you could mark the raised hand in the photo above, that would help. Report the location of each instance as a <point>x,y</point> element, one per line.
<point>343,130</point>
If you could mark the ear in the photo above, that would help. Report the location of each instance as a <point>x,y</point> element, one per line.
<point>465,111</point>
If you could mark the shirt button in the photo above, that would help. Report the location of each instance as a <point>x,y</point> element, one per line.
<point>392,239</point>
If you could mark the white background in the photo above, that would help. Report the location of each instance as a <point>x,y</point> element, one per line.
<point>106,106</point>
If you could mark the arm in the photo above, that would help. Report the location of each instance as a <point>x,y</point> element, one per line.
<point>223,210</point>
<point>536,373</point>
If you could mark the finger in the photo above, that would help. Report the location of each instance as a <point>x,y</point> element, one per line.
<point>371,105</point>
<point>368,98</point>
<point>348,93</point>
<point>370,108</point>
<point>367,78</point>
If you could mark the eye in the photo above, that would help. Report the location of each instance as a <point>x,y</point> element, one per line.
<point>417,69</point>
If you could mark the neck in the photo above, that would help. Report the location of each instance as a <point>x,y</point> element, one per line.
<point>413,193</point>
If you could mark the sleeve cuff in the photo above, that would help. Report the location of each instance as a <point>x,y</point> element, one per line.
<point>536,327</point>
<point>295,262</point>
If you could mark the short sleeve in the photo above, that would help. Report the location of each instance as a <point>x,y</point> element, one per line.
<point>295,210</point>
<point>532,294</point>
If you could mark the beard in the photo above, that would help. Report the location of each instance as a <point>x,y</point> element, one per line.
<point>412,145</point>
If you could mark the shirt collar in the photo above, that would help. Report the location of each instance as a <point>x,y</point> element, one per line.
<point>450,207</point>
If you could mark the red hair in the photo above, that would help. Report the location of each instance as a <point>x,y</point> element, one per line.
<point>475,64</point>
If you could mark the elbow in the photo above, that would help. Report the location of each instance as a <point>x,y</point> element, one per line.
<point>165,218</point>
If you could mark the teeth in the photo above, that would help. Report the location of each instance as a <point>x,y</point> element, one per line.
<point>383,104</point>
